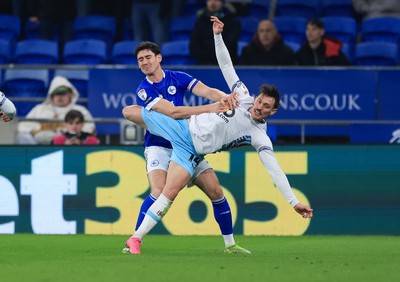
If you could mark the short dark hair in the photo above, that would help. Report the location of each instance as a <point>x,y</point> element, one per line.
<point>73,115</point>
<point>271,91</point>
<point>147,45</point>
<point>316,22</point>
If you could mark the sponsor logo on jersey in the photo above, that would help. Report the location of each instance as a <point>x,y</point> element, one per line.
<point>142,94</point>
<point>172,90</point>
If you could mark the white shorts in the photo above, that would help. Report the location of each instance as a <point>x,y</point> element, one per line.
<point>158,158</point>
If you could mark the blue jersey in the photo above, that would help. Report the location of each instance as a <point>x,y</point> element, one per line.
<point>172,88</point>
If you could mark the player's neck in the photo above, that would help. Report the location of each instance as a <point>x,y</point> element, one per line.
<point>156,76</point>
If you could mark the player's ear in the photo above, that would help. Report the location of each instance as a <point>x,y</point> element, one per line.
<point>159,58</point>
<point>273,112</point>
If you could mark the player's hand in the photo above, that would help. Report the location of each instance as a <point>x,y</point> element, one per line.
<point>218,26</point>
<point>232,101</point>
<point>4,117</point>
<point>304,210</point>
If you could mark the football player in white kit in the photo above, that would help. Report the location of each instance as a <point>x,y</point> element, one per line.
<point>7,108</point>
<point>209,133</point>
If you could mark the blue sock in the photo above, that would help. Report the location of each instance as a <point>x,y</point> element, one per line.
<point>150,199</point>
<point>222,214</point>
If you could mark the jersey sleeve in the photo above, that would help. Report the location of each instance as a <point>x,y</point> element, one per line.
<point>187,81</point>
<point>147,97</point>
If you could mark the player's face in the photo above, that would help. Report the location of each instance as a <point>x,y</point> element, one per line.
<point>263,107</point>
<point>148,62</point>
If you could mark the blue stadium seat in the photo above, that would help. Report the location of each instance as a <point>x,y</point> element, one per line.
<point>31,84</point>
<point>376,54</point>
<point>249,28</point>
<point>348,51</point>
<point>337,8</point>
<point>385,29</point>
<point>342,28</point>
<point>5,52</point>
<point>36,51</point>
<point>181,27</point>
<point>127,29</point>
<point>298,8</point>
<point>78,77</point>
<point>10,28</point>
<point>95,27</point>
<point>259,9</point>
<point>292,29</point>
<point>241,44</point>
<point>31,30</point>
<point>85,52</point>
<point>176,53</point>
<point>122,52</point>
<point>295,46</point>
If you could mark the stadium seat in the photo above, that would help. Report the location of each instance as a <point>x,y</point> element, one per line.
<point>385,29</point>
<point>78,77</point>
<point>348,51</point>
<point>259,9</point>
<point>241,44</point>
<point>376,54</point>
<point>122,52</point>
<point>85,52</point>
<point>28,84</point>
<point>293,45</point>
<point>10,28</point>
<point>97,27</point>
<point>181,27</point>
<point>31,30</point>
<point>127,29</point>
<point>249,28</point>
<point>298,8</point>
<point>342,28</point>
<point>36,51</point>
<point>5,52</point>
<point>176,53</point>
<point>292,29</point>
<point>337,8</point>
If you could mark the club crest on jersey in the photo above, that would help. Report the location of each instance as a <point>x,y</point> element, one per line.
<point>172,90</point>
<point>142,94</point>
<point>155,163</point>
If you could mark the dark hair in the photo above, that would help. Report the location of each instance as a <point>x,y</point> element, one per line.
<point>316,22</point>
<point>73,115</point>
<point>147,45</point>
<point>271,91</point>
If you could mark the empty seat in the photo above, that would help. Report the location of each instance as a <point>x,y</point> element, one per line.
<point>292,29</point>
<point>5,52</point>
<point>127,29</point>
<point>122,52</point>
<point>176,53</point>
<point>348,51</point>
<point>259,9</point>
<point>181,27</point>
<point>376,54</point>
<point>385,29</point>
<point>29,87</point>
<point>298,8</point>
<point>241,45</point>
<point>85,52</point>
<point>337,8</point>
<point>295,46</point>
<point>95,27</point>
<point>342,28</point>
<point>249,28</point>
<point>10,27</point>
<point>36,51</point>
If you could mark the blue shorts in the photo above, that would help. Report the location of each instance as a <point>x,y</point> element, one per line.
<point>177,132</point>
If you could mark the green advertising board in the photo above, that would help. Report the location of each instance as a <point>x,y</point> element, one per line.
<point>99,190</point>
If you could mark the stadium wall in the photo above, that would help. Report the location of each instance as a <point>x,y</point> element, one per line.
<point>353,189</point>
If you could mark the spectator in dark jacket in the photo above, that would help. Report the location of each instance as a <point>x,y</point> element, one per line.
<point>202,40</point>
<point>267,48</point>
<point>318,50</point>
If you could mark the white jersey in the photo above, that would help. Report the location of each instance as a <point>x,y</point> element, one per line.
<point>213,132</point>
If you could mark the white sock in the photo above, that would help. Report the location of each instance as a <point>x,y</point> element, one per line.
<point>153,215</point>
<point>229,240</point>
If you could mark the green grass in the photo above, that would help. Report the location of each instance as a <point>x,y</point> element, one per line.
<point>26,257</point>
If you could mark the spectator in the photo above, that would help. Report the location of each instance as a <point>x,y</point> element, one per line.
<point>377,8</point>
<point>54,16</point>
<point>202,41</point>
<point>62,97</point>
<point>318,50</point>
<point>73,135</point>
<point>149,15</point>
<point>267,48</point>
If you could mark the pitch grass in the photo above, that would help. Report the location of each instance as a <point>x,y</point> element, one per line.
<point>26,257</point>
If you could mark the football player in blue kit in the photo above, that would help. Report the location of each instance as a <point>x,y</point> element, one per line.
<point>161,91</point>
